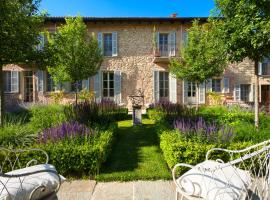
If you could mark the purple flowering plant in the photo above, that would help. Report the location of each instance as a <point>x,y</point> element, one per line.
<point>65,130</point>
<point>199,128</point>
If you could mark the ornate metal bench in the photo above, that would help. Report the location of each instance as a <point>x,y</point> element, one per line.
<point>246,175</point>
<point>23,178</point>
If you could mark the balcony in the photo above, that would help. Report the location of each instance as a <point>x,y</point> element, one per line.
<point>161,56</point>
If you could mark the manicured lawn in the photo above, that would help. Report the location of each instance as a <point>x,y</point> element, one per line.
<point>136,155</point>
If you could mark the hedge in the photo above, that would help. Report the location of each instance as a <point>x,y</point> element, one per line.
<point>177,149</point>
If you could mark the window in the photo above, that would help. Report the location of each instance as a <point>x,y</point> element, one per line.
<point>191,89</point>
<point>164,84</point>
<point>50,83</point>
<point>11,81</point>
<point>245,91</point>
<point>265,67</point>
<point>163,44</point>
<point>108,84</point>
<point>107,44</point>
<point>216,85</point>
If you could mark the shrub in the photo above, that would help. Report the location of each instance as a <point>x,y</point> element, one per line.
<point>177,149</point>
<point>80,157</point>
<point>43,117</point>
<point>165,110</point>
<point>104,112</point>
<point>16,135</point>
<point>67,130</point>
<point>57,96</point>
<point>85,95</point>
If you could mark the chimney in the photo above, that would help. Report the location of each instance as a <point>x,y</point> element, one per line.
<point>174,15</point>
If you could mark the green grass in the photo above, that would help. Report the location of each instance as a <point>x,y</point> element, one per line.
<point>136,155</point>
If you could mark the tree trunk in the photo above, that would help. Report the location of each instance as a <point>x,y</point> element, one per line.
<point>197,96</point>
<point>1,96</point>
<point>256,98</point>
<point>76,93</point>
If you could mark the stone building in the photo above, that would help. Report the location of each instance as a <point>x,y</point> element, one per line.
<point>137,53</point>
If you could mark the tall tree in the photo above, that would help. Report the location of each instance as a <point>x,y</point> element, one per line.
<point>202,56</point>
<point>75,54</point>
<point>20,23</point>
<point>246,25</point>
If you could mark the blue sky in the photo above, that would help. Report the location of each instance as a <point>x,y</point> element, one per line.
<point>130,8</point>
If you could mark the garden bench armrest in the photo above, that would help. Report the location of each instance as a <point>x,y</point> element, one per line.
<point>12,157</point>
<point>265,143</point>
<point>178,186</point>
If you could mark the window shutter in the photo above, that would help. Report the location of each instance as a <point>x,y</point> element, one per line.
<point>156,86</point>
<point>41,44</point>
<point>173,88</point>
<point>172,43</point>
<point>157,38</point>
<point>185,92</point>
<point>237,91</point>
<point>251,93</point>
<point>15,81</point>
<point>260,68</point>
<point>85,84</point>
<point>100,41</point>
<point>114,44</point>
<point>40,81</point>
<point>184,37</point>
<point>202,93</point>
<point>97,86</point>
<point>66,86</point>
<point>58,87</point>
<point>226,85</point>
<point>117,87</point>
<point>209,85</point>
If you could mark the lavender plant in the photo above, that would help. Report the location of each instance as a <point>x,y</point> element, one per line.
<point>198,127</point>
<point>104,112</point>
<point>169,111</point>
<point>63,131</point>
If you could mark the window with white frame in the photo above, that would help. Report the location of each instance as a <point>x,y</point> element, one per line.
<point>108,84</point>
<point>216,85</point>
<point>244,92</point>
<point>163,84</point>
<point>164,44</point>
<point>11,81</point>
<point>191,89</point>
<point>107,44</point>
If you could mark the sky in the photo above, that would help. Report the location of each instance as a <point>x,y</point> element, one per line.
<point>128,8</point>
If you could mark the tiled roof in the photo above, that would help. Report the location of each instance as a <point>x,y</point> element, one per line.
<point>130,19</point>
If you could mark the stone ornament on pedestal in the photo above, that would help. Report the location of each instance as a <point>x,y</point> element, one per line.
<point>137,115</point>
<point>137,103</point>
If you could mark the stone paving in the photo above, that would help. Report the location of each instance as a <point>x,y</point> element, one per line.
<point>136,190</point>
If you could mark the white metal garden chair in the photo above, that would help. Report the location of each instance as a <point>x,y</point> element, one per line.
<point>245,176</point>
<point>22,180</point>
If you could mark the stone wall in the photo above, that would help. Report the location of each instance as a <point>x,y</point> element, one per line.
<point>136,61</point>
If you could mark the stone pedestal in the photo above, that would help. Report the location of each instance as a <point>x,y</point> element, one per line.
<point>137,115</point>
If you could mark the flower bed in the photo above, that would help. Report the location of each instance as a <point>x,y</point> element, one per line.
<point>80,153</point>
<point>186,136</point>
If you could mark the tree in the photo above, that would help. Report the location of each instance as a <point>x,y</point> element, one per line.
<point>202,56</point>
<point>246,31</point>
<point>75,54</point>
<point>20,26</point>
